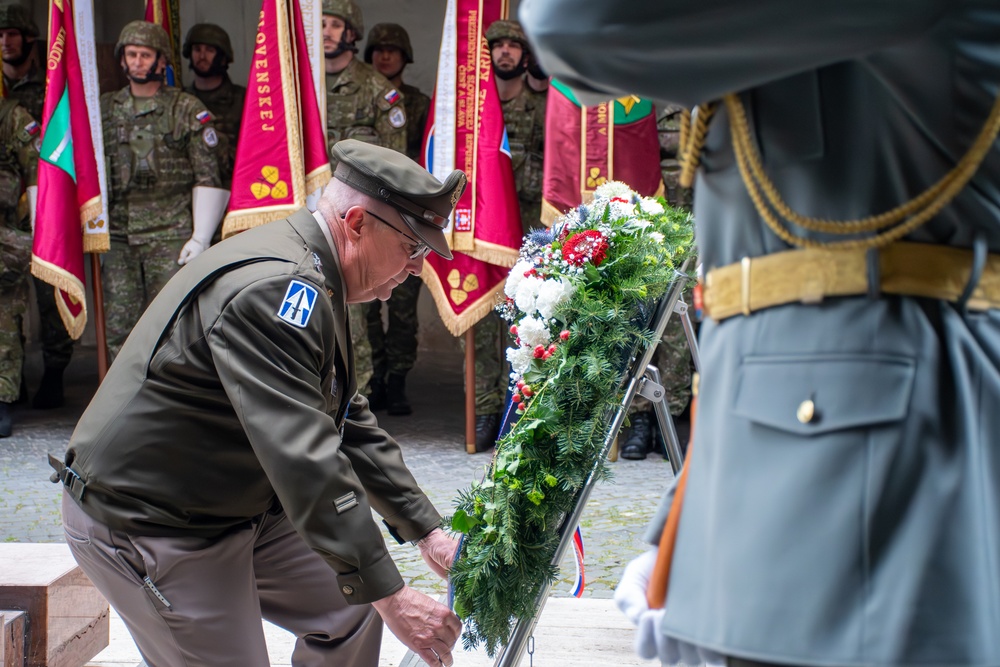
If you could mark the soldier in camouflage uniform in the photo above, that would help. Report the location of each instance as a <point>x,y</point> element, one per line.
<point>673,355</point>
<point>163,176</point>
<point>24,82</point>
<point>210,53</point>
<point>360,104</point>
<point>394,351</point>
<point>18,169</point>
<point>524,117</point>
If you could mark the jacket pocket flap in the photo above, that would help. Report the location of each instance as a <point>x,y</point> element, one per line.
<point>809,395</point>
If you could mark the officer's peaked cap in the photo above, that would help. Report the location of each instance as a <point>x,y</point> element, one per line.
<point>424,202</point>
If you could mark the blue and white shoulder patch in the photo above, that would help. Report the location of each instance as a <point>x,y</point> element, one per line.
<point>298,304</point>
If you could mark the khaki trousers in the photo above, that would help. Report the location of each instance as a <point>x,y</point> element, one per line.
<point>204,599</point>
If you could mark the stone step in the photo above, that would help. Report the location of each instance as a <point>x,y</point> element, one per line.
<point>67,618</point>
<point>14,637</point>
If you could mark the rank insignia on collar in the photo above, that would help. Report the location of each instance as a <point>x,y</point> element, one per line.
<point>298,304</point>
<point>317,263</point>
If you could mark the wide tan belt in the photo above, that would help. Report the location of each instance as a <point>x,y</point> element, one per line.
<point>811,275</point>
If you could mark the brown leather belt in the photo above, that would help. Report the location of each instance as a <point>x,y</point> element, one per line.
<point>809,276</point>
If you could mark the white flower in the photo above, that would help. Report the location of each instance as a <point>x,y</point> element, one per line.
<point>650,206</point>
<point>533,331</point>
<point>520,359</point>
<point>656,236</point>
<point>612,189</point>
<point>526,293</point>
<point>515,277</point>
<point>552,294</point>
<point>621,209</point>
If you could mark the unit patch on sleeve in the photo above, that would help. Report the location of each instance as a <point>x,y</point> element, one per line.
<point>298,304</point>
<point>397,117</point>
<point>210,137</point>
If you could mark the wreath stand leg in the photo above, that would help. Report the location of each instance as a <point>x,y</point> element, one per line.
<point>523,631</point>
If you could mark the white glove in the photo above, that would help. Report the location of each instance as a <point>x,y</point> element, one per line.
<point>650,641</point>
<point>32,205</point>
<point>207,207</point>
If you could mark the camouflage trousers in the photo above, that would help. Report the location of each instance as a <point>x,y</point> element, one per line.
<point>362,348</point>
<point>133,275</point>
<point>13,305</point>
<point>673,359</point>
<point>492,376</point>
<point>394,350</point>
<point>57,346</point>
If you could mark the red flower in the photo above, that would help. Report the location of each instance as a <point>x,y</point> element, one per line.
<point>589,245</point>
<point>539,351</point>
<point>564,334</point>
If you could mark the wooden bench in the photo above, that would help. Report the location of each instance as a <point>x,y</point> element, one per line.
<point>65,621</point>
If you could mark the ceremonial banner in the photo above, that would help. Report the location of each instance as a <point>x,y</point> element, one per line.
<point>71,217</point>
<point>281,155</point>
<point>167,13</point>
<point>613,141</point>
<point>466,131</point>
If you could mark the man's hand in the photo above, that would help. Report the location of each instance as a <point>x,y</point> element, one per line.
<point>438,551</point>
<point>426,627</point>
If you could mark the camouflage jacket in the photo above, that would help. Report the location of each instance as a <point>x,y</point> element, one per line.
<point>29,92</point>
<point>417,106</point>
<point>361,104</point>
<point>524,117</point>
<point>226,105</point>
<point>157,149</point>
<point>18,168</point>
<point>668,125</point>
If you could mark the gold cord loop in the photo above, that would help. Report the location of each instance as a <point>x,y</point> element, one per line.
<point>919,210</point>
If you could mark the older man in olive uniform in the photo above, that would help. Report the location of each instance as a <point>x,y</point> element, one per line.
<point>24,82</point>
<point>524,118</point>
<point>360,104</point>
<point>18,168</point>
<point>394,351</point>
<point>163,174</point>
<point>210,53</point>
<point>843,488</point>
<point>227,469</point>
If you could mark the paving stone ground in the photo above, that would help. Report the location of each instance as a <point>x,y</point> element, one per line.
<point>432,439</point>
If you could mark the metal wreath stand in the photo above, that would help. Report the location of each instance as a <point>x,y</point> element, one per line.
<point>644,380</point>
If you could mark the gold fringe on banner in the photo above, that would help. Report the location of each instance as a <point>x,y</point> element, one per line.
<point>494,253</point>
<point>90,218</point>
<point>459,324</point>
<point>61,279</point>
<point>317,179</point>
<point>549,213</point>
<point>240,221</point>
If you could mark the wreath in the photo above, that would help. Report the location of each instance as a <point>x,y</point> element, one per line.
<point>578,302</point>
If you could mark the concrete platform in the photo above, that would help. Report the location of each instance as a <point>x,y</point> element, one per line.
<point>572,632</point>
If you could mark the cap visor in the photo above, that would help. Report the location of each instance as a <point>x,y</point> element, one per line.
<point>429,234</point>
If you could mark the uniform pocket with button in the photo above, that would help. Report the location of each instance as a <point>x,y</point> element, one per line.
<point>813,395</point>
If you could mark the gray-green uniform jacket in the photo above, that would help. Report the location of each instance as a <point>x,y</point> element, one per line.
<point>28,91</point>
<point>226,105</point>
<point>524,118</point>
<point>869,535</point>
<point>154,160</point>
<point>235,396</point>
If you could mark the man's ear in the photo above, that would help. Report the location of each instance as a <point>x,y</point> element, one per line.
<point>354,220</point>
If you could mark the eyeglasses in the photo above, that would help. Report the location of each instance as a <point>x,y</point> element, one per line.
<point>420,249</point>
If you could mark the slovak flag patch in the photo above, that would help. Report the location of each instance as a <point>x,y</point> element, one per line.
<point>204,116</point>
<point>32,128</point>
<point>392,96</point>
<point>298,304</point>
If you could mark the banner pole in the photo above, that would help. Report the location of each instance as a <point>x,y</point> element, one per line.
<point>470,391</point>
<point>102,341</point>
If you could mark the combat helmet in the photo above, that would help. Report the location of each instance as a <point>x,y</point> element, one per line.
<point>144,33</point>
<point>503,29</point>
<point>347,10</point>
<point>388,34</point>
<point>18,17</point>
<point>210,34</point>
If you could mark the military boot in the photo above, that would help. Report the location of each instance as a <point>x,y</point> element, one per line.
<point>50,393</point>
<point>376,397</point>
<point>640,437</point>
<point>396,403</point>
<point>487,429</point>
<point>6,423</point>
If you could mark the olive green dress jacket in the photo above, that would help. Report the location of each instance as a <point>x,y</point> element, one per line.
<point>235,396</point>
